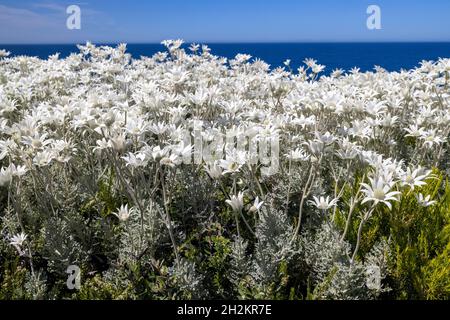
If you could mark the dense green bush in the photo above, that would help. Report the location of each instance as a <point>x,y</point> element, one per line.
<point>217,265</point>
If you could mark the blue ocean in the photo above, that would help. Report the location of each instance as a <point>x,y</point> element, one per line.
<point>391,56</point>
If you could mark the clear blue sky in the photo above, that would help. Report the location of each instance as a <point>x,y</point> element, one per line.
<point>44,21</point>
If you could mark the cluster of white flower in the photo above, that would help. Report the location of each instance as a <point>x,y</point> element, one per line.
<point>99,114</point>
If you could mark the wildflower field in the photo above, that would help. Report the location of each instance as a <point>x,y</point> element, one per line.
<point>189,176</point>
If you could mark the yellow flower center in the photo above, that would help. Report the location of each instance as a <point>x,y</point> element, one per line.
<point>378,194</point>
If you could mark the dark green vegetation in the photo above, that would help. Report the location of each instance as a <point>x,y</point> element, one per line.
<point>412,241</point>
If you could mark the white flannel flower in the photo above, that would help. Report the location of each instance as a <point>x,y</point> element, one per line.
<point>414,131</point>
<point>229,166</point>
<point>37,141</point>
<point>135,160</point>
<point>213,170</point>
<point>425,201</point>
<point>4,53</point>
<point>158,153</point>
<point>323,203</point>
<point>236,202</point>
<point>414,178</point>
<point>256,205</point>
<point>170,161</point>
<point>123,213</point>
<point>430,138</point>
<point>118,143</point>
<point>379,192</point>
<point>17,242</point>
<point>298,155</point>
<point>43,158</point>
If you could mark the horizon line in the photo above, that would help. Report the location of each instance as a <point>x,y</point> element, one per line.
<point>227,42</point>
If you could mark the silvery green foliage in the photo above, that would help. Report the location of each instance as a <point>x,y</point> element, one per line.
<point>259,269</point>
<point>322,250</point>
<point>344,282</point>
<point>35,285</point>
<point>186,279</point>
<point>61,246</point>
<point>331,271</point>
<point>9,225</point>
<point>141,234</point>
<point>240,260</point>
<point>379,256</point>
<point>273,244</point>
<point>120,281</point>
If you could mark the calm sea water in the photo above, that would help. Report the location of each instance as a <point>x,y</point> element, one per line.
<point>391,56</point>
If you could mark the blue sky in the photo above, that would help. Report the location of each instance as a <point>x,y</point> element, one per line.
<point>44,21</point>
